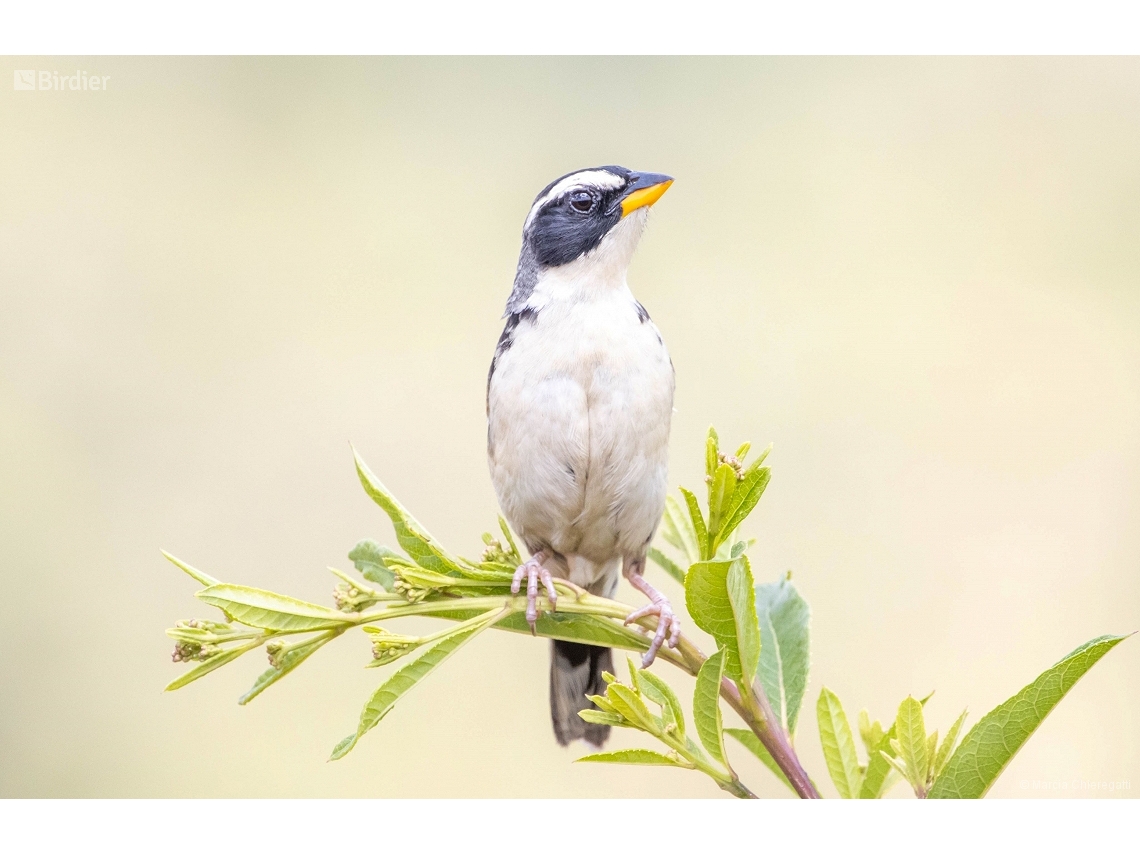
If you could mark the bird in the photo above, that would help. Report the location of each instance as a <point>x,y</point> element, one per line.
<point>579,404</point>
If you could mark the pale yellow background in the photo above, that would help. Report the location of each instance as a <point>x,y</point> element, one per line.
<point>919,278</point>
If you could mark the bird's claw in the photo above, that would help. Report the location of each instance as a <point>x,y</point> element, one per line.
<point>667,625</point>
<point>533,571</point>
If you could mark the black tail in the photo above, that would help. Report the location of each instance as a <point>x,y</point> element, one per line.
<point>576,671</point>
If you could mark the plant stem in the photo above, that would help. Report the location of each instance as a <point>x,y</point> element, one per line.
<point>737,789</point>
<point>725,778</point>
<point>757,714</point>
<point>756,711</point>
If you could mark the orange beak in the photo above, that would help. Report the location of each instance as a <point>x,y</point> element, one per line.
<point>644,191</point>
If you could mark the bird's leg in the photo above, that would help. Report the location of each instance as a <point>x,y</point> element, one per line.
<point>667,622</point>
<point>533,571</point>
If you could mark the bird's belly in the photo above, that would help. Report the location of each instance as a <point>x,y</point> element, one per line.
<point>579,434</point>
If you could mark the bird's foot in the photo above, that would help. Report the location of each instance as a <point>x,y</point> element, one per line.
<point>533,571</point>
<point>667,623</point>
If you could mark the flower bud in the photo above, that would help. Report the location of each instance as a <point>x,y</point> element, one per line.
<point>409,592</point>
<point>275,649</point>
<point>495,553</point>
<point>184,651</point>
<point>387,646</point>
<point>349,598</point>
<point>737,465</point>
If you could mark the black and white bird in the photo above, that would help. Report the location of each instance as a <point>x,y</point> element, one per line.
<point>579,400</point>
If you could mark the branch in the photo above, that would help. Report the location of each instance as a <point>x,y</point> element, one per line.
<point>756,715</point>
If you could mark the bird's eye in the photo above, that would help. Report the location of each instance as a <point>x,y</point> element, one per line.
<point>582,202</point>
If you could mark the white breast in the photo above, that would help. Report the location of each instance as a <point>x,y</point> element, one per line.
<point>579,408</point>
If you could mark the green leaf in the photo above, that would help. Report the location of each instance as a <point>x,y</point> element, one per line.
<point>480,579</point>
<point>289,661</point>
<point>343,747</point>
<point>931,753</point>
<point>742,594</point>
<point>838,745</point>
<point>667,564</point>
<point>698,522</point>
<point>875,780</point>
<point>370,560</point>
<point>633,676</point>
<point>266,610</point>
<point>721,600</point>
<point>785,652</point>
<point>712,452</point>
<point>706,597</point>
<point>742,452</point>
<point>996,738</point>
<point>605,706</point>
<point>412,536</point>
<point>562,626</point>
<point>943,754</point>
<point>631,757</point>
<point>910,731</point>
<point>744,498</point>
<point>706,706</point>
<point>602,717</point>
<point>630,705</point>
<point>587,629</point>
<point>677,529</point>
<point>658,691</point>
<point>212,664</point>
<point>755,464</point>
<point>897,766</point>
<point>750,741</point>
<point>724,553</point>
<point>870,733</point>
<point>196,575</point>
<point>396,686</point>
<point>721,488</point>
<point>879,778</point>
<point>509,540</point>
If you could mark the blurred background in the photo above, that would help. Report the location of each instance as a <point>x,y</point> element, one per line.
<point>919,278</point>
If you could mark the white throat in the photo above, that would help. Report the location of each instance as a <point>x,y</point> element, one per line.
<point>599,273</point>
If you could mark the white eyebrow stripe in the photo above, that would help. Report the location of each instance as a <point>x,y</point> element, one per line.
<point>596,178</point>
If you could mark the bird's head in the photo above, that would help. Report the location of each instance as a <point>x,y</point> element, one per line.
<point>584,227</point>
<point>592,210</point>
